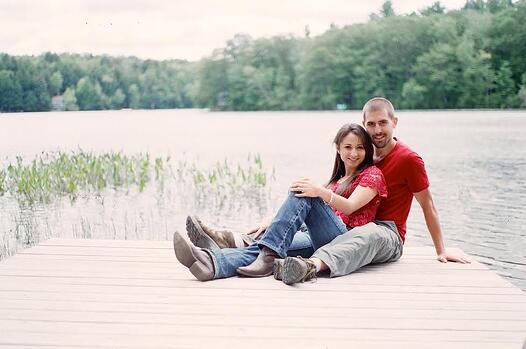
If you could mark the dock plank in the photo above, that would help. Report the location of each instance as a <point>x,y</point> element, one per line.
<point>134,294</point>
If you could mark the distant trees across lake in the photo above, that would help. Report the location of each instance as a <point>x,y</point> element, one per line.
<point>86,82</point>
<point>431,59</point>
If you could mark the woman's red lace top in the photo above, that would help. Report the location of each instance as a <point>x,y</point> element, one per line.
<point>371,177</point>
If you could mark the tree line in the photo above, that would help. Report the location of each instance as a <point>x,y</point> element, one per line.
<point>431,59</point>
<point>88,82</point>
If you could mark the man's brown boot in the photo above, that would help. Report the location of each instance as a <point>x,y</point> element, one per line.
<point>262,266</point>
<point>205,237</point>
<point>297,269</point>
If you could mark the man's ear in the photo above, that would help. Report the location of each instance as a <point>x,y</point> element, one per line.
<point>395,120</point>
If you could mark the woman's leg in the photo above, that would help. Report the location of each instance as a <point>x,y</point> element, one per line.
<point>323,224</point>
<point>301,245</point>
<point>321,221</point>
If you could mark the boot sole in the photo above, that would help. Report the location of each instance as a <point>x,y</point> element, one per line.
<point>182,250</point>
<point>278,269</point>
<point>293,271</point>
<point>198,236</point>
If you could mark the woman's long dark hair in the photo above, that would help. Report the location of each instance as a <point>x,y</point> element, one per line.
<point>339,167</point>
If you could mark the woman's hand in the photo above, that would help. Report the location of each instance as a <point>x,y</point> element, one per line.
<point>305,188</point>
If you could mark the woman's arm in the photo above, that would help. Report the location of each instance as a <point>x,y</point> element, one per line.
<point>359,197</point>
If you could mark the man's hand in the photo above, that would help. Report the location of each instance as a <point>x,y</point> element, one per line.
<point>256,232</point>
<point>447,257</point>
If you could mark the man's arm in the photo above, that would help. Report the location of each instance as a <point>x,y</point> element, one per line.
<point>425,200</point>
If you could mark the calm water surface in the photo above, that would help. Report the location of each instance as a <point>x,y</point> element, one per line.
<point>475,161</point>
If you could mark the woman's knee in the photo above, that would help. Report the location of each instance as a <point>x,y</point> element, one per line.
<point>292,197</point>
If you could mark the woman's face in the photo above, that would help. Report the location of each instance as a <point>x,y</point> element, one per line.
<point>352,151</point>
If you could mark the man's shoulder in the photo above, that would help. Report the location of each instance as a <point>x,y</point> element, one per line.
<point>404,152</point>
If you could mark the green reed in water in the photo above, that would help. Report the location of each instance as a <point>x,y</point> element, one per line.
<point>32,192</point>
<point>58,174</point>
<point>223,173</point>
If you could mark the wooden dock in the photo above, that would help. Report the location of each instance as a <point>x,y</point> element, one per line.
<point>134,294</point>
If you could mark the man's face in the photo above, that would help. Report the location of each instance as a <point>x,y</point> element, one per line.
<point>380,127</point>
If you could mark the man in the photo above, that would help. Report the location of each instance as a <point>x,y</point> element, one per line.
<point>377,242</point>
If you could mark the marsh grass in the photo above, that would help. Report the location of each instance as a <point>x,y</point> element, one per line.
<point>53,175</point>
<point>225,185</point>
<point>58,174</point>
<point>86,194</point>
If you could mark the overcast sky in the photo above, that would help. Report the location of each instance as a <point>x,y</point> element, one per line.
<point>184,29</point>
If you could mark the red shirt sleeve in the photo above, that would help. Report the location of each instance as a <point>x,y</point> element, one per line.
<point>372,177</point>
<point>416,174</point>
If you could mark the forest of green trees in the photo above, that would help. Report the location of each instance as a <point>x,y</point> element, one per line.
<point>431,59</point>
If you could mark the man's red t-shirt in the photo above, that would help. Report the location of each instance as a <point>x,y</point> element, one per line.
<point>405,174</point>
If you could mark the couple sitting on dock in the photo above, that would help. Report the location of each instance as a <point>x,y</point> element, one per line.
<point>358,218</point>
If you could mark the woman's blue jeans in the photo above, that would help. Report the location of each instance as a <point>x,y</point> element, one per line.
<point>322,224</point>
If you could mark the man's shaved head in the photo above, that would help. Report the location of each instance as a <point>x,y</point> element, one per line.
<point>377,104</point>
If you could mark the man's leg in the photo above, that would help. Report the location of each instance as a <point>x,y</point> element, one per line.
<point>227,260</point>
<point>212,239</point>
<point>376,242</point>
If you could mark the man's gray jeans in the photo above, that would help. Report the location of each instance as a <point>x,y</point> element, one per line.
<point>375,242</point>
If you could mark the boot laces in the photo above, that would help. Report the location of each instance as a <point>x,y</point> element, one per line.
<point>311,270</point>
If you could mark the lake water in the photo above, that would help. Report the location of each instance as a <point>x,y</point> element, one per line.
<point>475,160</point>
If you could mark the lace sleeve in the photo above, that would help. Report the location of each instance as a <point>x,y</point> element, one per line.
<point>372,177</point>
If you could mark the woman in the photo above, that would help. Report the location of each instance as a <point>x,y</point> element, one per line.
<point>350,199</point>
